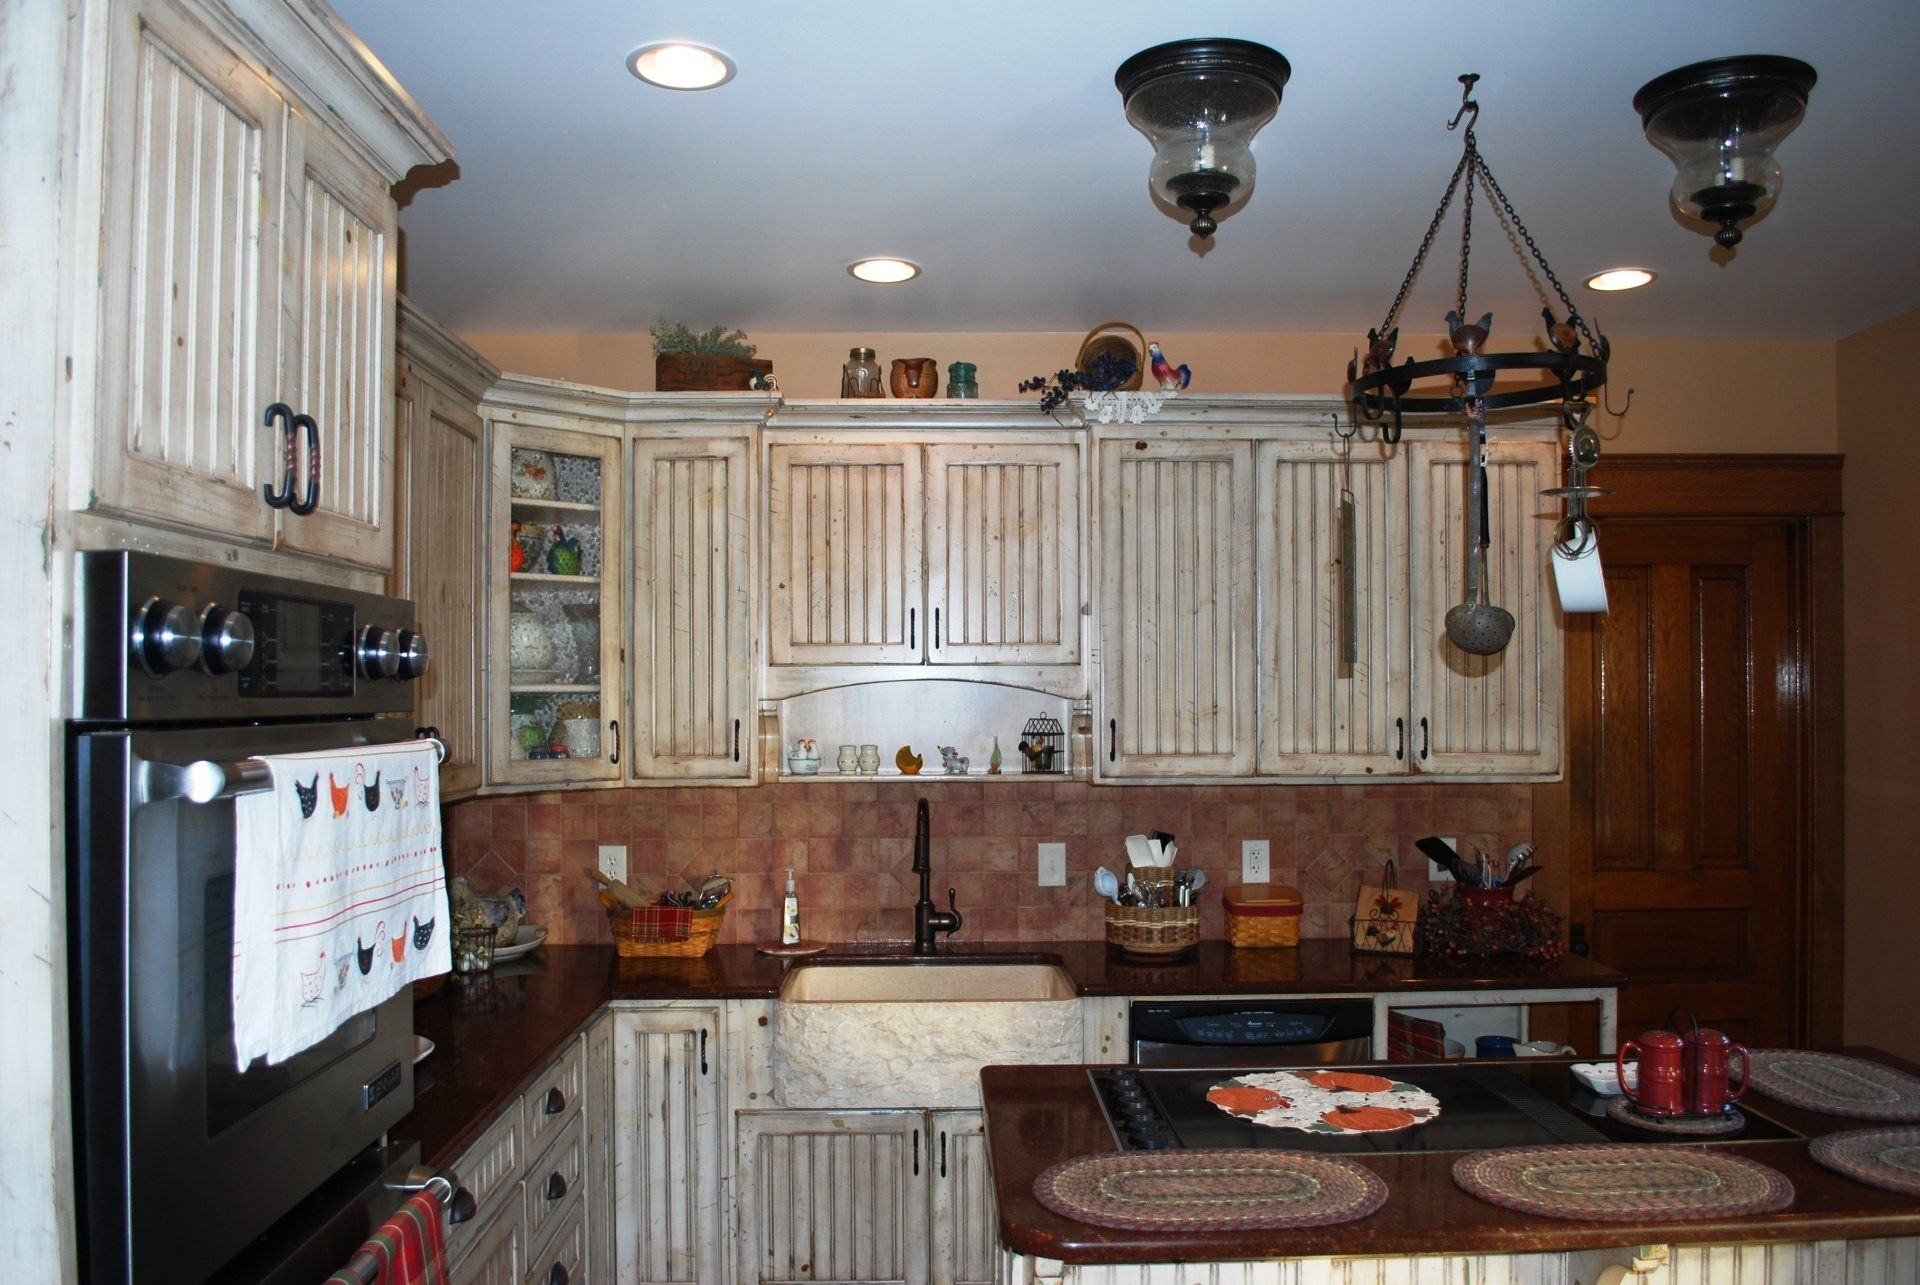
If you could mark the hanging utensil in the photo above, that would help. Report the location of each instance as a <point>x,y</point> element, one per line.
<point>1349,541</point>
<point>1476,625</point>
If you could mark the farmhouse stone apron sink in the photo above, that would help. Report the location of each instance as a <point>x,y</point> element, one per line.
<point>914,1034</point>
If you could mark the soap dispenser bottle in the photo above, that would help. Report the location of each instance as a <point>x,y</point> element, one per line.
<point>790,915</point>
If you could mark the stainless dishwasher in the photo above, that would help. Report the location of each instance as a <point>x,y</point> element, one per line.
<point>1264,1032</point>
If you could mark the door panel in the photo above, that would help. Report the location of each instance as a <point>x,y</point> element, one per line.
<point>966,1221</point>
<point>666,1146</point>
<point>834,1196</point>
<point>1684,774</point>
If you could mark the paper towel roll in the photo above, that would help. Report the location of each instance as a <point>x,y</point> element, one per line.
<point>1582,585</point>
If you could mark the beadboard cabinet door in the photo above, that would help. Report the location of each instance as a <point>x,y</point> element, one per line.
<point>667,1159</point>
<point>1485,715</point>
<point>1177,610</point>
<point>1321,714</point>
<point>966,1220</point>
<point>847,549</point>
<point>692,601</point>
<point>1003,554</point>
<point>834,1197</point>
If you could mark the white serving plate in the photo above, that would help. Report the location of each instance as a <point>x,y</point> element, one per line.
<point>525,942</point>
<point>1603,1078</point>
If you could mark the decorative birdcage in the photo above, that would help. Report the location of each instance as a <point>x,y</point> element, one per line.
<point>1043,744</point>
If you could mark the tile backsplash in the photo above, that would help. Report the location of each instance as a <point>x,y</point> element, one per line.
<point>851,847</point>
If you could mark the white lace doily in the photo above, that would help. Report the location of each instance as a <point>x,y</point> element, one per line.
<point>1125,408</point>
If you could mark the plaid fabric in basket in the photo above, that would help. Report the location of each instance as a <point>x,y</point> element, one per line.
<point>662,923</point>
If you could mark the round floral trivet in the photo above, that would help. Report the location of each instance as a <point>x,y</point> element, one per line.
<point>1684,1126</point>
<point>1834,1084</point>
<point>1622,1182</point>
<point>1325,1101</point>
<point>1888,1158</point>
<point>1240,1190</point>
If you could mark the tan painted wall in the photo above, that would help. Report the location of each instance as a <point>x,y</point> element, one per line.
<point>1693,394</point>
<point>1880,434</point>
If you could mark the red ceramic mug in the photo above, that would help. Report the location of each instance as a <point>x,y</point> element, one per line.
<point>1708,1056</point>
<point>1661,1089</point>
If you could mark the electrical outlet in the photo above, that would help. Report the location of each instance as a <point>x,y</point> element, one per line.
<point>613,861</point>
<point>1255,860</point>
<point>1053,865</point>
<point>1435,871</point>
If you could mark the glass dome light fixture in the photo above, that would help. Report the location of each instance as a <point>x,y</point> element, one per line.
<point>1200,102</point>
<point>1719,123</point>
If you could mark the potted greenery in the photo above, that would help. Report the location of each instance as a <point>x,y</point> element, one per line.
<point>713,360</point>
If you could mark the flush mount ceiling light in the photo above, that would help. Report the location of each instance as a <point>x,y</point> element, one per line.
<point>1200,102</point>
<point>675,64</point>
<point>884,272</point>
<point>1620,279</point>
<point>1718,122</point>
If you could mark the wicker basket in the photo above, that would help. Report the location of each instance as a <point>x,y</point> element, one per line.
<point>630,943</point>
<point>1263,917</point>
<point>1167,931</point>
<point>1109,339</point>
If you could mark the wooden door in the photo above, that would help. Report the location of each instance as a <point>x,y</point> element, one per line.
<point>443,473</point>
<point>1003,554</point>
<point>847,550</point>
<point>1493,715</point>
<point>666,1146</point>
<point>337,343</point>
<point>1685,777</point>
<point>966,1220</point>
<point>692,609</point>
<point>1177,610</point>
<point>834,1196</point>
<point>189,285</point>
<point>1321,715</point>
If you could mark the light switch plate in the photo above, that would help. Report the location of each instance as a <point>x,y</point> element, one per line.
<point>1053,865</point>
<point>1437,872</point>
<point>1256,856</point>
<point>613,861</point>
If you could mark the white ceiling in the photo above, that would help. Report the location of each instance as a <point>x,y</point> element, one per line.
<point>984,139</point>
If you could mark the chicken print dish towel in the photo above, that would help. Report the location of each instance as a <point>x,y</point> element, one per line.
<point>339,896</point>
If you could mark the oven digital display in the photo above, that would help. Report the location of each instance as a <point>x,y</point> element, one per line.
<point>301,647</point>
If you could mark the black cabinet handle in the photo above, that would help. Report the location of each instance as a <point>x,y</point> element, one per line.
<point>282,413</point>
<point>556,1101</point>
<point>912,624</point>
<point>916,1152</point>
<point>556,1186</point>
<point>736,740</point>
<point>1577,940</point>
<point>311,500</point>
<point>703,1050</point>
<point>943,1153</point>
<point>1113,738</point>
<point>1400,744</point>
<point>462,1207</point>
<point>936,629</point>
<point>557,1275</point>
<point>614,727</point>
<point>1423,739</point>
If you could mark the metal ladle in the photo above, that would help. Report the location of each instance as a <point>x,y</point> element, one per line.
<point>1476,625</point>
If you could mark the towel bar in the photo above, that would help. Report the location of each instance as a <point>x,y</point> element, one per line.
<point>455,1199</point>
<point>208,780</point>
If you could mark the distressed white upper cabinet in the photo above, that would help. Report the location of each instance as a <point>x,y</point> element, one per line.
<point>1485,715</point>
<point>667,1158</point>
<point>1175,533</point>
<point>442,472</point>
<point>846,553</point>
<point>833,1196</point>
<point>1003,554</point>
<point>1322,714</point>
<point>966,1220</point>
<point>692,608</point>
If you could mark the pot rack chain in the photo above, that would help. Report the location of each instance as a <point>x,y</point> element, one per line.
<point>1426,244</point>
<point>1573,313</point>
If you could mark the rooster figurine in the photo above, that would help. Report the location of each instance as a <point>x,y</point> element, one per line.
<point>1468,338</point>
<point>1563,335</point>
<point>1172,378</point>
<point>340,794</point>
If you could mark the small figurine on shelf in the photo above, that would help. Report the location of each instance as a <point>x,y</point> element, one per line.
<point>563,555</point>
<point>993,764</point>
<point>803,759</point>
<point>1043,742</point>
<point>1039,756</point>
<point>907,761</point>
<point>952,762</point>
<point>522,543</point>
<point>1172,378</point>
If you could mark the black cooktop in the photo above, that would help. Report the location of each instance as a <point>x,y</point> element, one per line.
<point>1511,1104</point>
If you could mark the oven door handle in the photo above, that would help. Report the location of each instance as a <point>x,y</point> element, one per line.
<point>209,780</point>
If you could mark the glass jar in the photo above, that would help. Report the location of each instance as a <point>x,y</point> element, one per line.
<point>961,381</point>
<point>861,376</point>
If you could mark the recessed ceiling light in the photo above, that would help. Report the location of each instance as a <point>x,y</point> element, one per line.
<point>1619,279</point>
<point>884,272</point>
<point>675,64</point>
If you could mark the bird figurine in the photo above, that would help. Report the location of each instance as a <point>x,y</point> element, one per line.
<point>372,791</point>
<point>1564,336</point>
<point>1172,378</point>
<point>1468,338</point>
<point>309,795</point>
<point>340,794</point>
<point>907,761</point>
<point>1380,348</point>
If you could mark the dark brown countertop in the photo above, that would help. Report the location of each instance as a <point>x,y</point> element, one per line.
<point>1041,1115</point>
<point>490,1035</point>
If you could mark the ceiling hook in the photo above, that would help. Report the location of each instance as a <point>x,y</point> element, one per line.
<point>1606,403</point>
<point>1467,104</point>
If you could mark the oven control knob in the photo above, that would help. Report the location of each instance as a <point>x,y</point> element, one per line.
<point>413,654</point>
<point>166,636</point>
<point>379,652</point>
<point>226,639</point>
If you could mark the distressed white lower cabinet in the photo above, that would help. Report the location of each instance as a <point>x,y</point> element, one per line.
<point>966,1219</point>
<point>1175,533</point>
<point>667,1157</point>
<point>601,1214</point>
<point>833,1196</point>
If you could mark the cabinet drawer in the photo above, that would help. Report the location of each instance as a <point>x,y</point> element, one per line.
<point>556,1178</point>
<point>562,1258</point>
<point>498,1255</point>
<point>554,1099</point>
<point>489,1169</point>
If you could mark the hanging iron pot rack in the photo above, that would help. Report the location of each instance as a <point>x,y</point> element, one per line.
<point>1576,354</point>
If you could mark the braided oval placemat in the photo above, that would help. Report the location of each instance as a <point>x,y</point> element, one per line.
<point>1685,1126</point>
<point>1231,1190</point>
<point>1835,1084</point>
<point>1888,1158</point>
<point>1622,1182</point>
